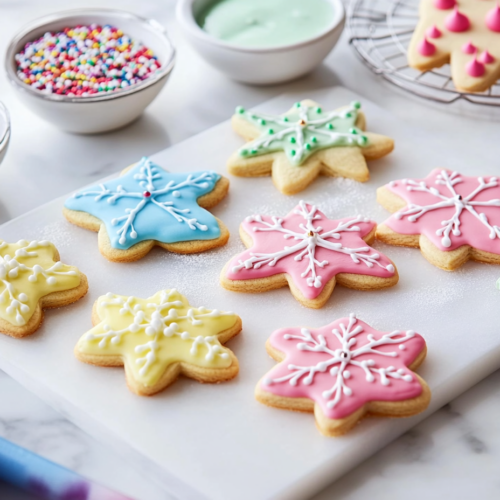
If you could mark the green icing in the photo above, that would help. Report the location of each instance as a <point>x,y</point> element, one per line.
<point>303,131</point>
<point>266,23</point>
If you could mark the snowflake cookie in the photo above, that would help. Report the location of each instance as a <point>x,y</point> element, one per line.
<point>450,216</point>
<point>345,371</point>
<point>310,253</point>
<point>158,338</point>
<point>147,206</point>
<point>465,33</point>
<point>33,279</point>
<point>306,142</point>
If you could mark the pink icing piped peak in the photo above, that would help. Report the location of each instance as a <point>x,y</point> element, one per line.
<point>469,48</point>
<point>444,4</point>
<point>457,22</point>
<point>475,68</point>
<point>426,48</point>
<point>486,58</point>
<point>493,19</point>
<point>433,32</point>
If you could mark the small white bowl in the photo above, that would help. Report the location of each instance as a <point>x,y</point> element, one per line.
<point>261,66</point>
<point>98,112</point>
<point>4,131</point>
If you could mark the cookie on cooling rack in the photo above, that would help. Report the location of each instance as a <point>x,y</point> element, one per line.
<point>464,33</point>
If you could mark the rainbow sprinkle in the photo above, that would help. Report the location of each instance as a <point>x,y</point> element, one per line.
<point>85,60</point>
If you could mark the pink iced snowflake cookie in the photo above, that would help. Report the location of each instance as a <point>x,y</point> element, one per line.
<point>344,371</point>
<point>464,33</point>
<point>310,253</point>
<point>450,216</point>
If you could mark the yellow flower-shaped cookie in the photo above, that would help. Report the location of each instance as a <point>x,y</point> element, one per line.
<point>32,278</point>
<point>158,338</point>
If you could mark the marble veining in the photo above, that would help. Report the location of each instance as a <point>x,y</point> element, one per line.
<point>454,453</point>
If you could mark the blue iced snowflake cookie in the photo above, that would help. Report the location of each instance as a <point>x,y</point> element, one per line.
<point>148,206</point>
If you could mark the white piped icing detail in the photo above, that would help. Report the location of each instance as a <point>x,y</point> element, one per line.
<point>311,238</point>
<point>321,125</point>
<point>342,357</point>
<point>12,267</point>
<point>159,320</point>
<point>146,178</point>
<point>451,227</point>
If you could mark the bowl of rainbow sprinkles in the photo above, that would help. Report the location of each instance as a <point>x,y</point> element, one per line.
<point>90,70</point>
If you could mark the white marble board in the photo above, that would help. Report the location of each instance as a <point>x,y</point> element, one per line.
<point>216,441</point>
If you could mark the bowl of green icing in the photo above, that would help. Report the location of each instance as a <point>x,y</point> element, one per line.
<point>262,41</point>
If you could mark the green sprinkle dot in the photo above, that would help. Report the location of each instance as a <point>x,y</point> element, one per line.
<point>293,152</point>
<point>314,139</point>
<point>348,115</point>
<point>308,146</point>
<point>318,110</point>
<point>298,105</point>
<point>253,151</point>
<point>285,119</point>
<point>356,104</point>
<point>362,140</point>
<point>240,110</point>
<point>329,126</point>
<point>243,152</point>
<point>262,122</point>
<point>353,131</point>
<point>270,131</point>
<point>293,140</point>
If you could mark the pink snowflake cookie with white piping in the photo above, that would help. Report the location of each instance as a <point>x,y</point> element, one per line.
<point>450,216</point>
<point>344,371</point>
<point>310,253</point>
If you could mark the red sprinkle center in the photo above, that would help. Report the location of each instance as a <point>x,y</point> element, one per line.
<point>146,194</point>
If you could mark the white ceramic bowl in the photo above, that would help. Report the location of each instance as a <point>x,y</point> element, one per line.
<point>4,131</point>
<point>261,66</point>
<point>97,112</point>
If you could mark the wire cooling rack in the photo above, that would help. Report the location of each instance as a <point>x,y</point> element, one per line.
<point>380,31</point>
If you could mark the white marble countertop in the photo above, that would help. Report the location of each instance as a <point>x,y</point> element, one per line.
<point>454,452</point>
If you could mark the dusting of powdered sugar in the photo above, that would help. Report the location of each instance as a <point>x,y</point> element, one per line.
<point>60,233</point>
